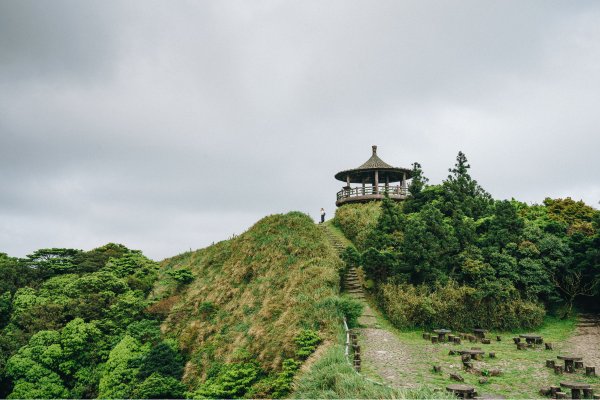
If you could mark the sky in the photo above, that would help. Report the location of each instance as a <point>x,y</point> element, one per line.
<point>169,125</point>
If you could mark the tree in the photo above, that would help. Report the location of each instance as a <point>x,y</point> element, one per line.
<point>158,386</point>
<point>163,359</point>
<point>428,247</point>
<point>504,226</point>
<point>463,193</point>
<point>416,199</point>
<point>121,371</point>
<point>33,368</point>
<point>49,262</point>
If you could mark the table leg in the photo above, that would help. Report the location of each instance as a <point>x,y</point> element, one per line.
<point>569,366</point>
<point>575,393</point>
<point>441,337</point>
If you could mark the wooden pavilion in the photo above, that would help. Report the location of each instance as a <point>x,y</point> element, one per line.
<point>375,178</point>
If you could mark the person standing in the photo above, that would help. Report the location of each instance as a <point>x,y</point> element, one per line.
<point>322,215</point>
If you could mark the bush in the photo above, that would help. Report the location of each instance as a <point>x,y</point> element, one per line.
<point>232,381</point>
<point>182,276</point>
<point>345,306</point>
<point>307,342</point>
<point>275,386</point>
<point>357,220</point>
<point>158,386</point>
<point>456,307</point>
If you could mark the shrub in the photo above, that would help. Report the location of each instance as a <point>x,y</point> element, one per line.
<point>232,381</point>
<point>307,342</point>
<point>280,385</point>
<point>357,220</point>
<point>456,307</point>
<point>158,386</point>
<point>345,306</point>
<point>182,276</point>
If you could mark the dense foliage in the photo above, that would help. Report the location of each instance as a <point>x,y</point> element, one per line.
<point>75,325</point>
<point>452,247</point>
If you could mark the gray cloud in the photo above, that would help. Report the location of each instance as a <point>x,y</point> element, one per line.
<point>171,125</point>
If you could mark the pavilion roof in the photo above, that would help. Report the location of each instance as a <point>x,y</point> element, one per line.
<point>365,171</point>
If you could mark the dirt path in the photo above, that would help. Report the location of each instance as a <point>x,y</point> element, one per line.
<point>383,355</point>
<point>586,340</point>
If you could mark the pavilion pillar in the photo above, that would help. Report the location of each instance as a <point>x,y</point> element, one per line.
<point>376,185</point>
<point>387,183</point>
<point>403,180</point>
<point>363,186</point>
<point>348,181</point>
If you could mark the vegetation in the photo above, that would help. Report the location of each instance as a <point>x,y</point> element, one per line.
<point>75,325</point>
<point>452,247</point>
<point>356,221</point>
<point>522,371</point>
<point>238,318</point>
<point>259,304</point>
<point>332,377</point>
<point>241,317</point>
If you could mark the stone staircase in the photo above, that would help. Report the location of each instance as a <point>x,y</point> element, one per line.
<point>351,283</point>
<point>335,241</point>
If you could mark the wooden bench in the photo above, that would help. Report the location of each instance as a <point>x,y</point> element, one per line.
<point>577,388</point>
<point>462,391</point>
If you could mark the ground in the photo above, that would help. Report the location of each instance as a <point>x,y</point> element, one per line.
<point>586,339</point>
<point>404,359</point>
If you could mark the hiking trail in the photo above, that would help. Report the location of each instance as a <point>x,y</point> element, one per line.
<point>382,353</point>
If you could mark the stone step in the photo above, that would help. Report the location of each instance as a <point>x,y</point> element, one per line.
<point>353,287</point>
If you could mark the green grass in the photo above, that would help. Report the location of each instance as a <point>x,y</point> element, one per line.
<point>357,220</point>
<point>254,293</point>
<point>331,377</point>
<point>338,233</point>
<point>523,371</point>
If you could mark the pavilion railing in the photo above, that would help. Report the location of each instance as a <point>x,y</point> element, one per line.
<point>368,190</point>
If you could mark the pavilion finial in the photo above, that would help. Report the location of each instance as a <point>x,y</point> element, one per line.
<point>374,150</point>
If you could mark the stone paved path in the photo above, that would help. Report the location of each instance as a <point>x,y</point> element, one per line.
<point>382,353</point>
<point>586,340</point>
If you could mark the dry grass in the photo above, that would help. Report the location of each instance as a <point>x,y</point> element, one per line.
<point>252,295</point>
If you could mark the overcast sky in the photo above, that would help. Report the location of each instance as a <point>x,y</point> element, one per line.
<point>169,125</point>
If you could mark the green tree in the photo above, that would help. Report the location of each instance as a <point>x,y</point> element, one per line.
<point>463,193</point>
<point>121,370</point>
<point>49,262</point>
<point>416,195</point>
<point>158,386</point>
<point>428,247</point>
<point>163,359</point>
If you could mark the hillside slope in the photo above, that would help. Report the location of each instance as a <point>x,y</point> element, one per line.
<point>251,296</point>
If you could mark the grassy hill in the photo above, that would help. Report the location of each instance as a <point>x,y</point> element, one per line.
<point>250,298</point>
<point>356,221</point>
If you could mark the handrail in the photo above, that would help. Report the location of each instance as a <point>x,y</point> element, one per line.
<point>371,190</point>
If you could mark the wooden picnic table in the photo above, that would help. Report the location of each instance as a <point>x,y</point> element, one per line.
<point>570,362</point>
<point>480,333</point>
<point>462,391</point>
<point>472,352</point>
<point>531,338</point>
<point>442,334</point>
<point>576,389</point>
